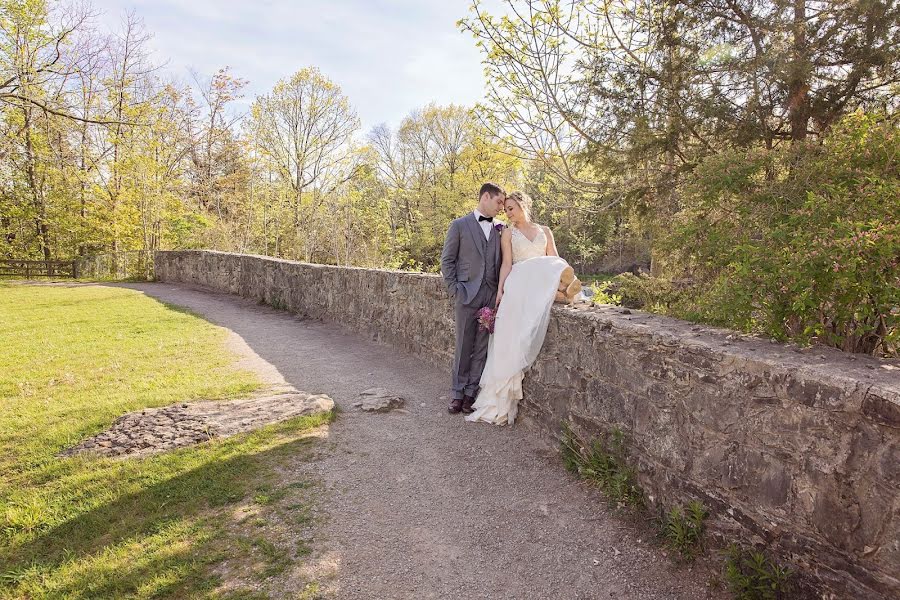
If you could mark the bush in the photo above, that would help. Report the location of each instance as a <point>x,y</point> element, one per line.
<point>652,293</point>
<point>798,243</point>
<point>603,292</point>
<point>752,576</point>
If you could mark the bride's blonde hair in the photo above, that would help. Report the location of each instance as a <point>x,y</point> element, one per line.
<point>524,202</point>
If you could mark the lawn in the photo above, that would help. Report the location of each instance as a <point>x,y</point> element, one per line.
<point>217,520</point>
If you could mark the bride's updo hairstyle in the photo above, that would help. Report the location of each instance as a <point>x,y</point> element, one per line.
<point>524,202</point>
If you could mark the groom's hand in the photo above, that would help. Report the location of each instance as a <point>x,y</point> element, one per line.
<point>456,291</point>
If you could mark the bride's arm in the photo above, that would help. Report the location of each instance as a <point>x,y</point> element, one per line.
<point>506,264</point>
<point>551,243</point>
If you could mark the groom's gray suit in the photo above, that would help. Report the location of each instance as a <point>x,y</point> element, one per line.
<point>470,264</point>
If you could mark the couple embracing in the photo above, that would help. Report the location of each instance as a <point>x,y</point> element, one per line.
<point>516,270</point>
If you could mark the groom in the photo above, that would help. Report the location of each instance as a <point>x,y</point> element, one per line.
<point>470,264</point>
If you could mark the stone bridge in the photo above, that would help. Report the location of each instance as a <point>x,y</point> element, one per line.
<point>795,450</point>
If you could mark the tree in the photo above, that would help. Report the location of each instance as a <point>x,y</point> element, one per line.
<point>31,61</point>
<point>793,68</point>
<point>640,88</point>
<point>304,128</point>
<point>430,170</point>
<point>35,55</point>
<point>214,154</point>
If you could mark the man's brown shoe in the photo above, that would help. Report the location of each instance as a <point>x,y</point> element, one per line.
<point>468,401</point>
<point>456,406</point>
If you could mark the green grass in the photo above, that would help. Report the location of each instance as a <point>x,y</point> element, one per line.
<point>73,360</point>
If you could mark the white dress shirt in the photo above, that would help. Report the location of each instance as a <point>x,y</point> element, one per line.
<point>485,225</point>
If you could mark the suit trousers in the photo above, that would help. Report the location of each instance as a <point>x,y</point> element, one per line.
<point>471,342</point>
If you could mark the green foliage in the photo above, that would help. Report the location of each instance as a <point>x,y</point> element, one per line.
<point>752,576</point>
<point>683,529</point>
<point>603,463</point>
<point>650,293</point>
<point>629,133</point>
<point>570,450</point>
<point>799,243</point>
<point>591,241</point>
<point>278,303</point>
<point>428,172</point>
<point>603,293</point>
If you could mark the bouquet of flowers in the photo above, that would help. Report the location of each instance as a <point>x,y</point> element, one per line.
<point>486,318</point>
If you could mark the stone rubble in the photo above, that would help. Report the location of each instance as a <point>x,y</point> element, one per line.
<point>155,430</point>
<point>378,400</point>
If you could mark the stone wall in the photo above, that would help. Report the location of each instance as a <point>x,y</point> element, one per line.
<point>795,449</point>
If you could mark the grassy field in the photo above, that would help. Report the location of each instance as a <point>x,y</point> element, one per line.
<point>218,520</point>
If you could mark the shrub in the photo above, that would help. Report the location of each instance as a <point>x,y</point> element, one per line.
<point>603,292</point>
<point>654,294</point>
<point>797,243</point>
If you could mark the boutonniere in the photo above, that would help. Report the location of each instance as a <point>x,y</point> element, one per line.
<point>499,227</point>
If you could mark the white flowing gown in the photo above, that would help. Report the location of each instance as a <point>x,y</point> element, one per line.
<point>519,329</point>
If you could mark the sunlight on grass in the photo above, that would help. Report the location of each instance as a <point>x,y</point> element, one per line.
<point>87,527</point>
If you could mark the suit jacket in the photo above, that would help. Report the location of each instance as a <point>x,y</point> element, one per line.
<point>465,258</point>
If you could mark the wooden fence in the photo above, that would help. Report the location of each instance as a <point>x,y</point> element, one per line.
<point>116,266</point>
<point>28,269</point>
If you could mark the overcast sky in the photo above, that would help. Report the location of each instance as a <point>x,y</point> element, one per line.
<point>388,56</point>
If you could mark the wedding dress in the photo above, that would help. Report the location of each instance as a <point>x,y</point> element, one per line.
<point>519,329</point>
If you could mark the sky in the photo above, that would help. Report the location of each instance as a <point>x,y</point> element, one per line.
<point>388,56</point>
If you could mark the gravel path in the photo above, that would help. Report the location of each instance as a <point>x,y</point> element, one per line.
<point>421,504</point>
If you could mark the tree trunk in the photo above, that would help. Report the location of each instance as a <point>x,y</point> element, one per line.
<point>82,192</point>
<point>798,84</point>
<point>37,195</point>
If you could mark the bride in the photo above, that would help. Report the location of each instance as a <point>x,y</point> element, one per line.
<point>532,276</point>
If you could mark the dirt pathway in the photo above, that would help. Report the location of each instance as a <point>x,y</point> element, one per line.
<point>421,504</point>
